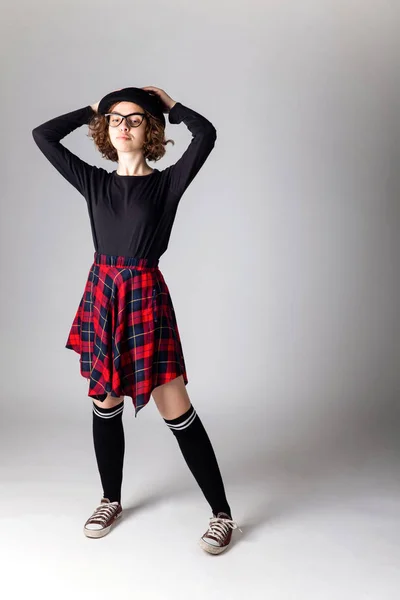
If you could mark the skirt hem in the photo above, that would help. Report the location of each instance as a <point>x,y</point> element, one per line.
<point>170,377</point>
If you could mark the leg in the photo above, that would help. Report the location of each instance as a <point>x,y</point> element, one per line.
<point>171,398</point>
<point>109,402</point>
<point>109,444</point>
<point>180,416</point>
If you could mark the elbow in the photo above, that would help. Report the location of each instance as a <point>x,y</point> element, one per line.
<point>37,135</point>
<point>214,137</point>
<point>212,134</point>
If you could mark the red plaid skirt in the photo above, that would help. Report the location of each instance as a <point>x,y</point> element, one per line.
<point>125,330</point>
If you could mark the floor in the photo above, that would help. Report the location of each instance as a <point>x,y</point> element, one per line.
<point>320,520</point>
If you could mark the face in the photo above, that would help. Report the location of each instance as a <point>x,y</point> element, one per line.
<point>124,137</point>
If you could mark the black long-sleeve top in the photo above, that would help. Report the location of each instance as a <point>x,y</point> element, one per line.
<point>130,215</point>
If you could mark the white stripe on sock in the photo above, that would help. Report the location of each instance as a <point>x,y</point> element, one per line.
<point>115,412</point>
<point>185,423</point>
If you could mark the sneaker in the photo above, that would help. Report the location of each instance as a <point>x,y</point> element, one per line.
<point>219,533</point>
<point>105,514</point>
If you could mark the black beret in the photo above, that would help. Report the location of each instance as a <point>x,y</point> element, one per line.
<point>147,100</point>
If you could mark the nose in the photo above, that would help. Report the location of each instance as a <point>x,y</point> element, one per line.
<point>123,126</point>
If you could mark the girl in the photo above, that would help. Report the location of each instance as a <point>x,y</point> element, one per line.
<point>125,328</point>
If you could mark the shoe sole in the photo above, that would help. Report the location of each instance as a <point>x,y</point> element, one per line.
<point>210,548</point>
<point>97,533</point>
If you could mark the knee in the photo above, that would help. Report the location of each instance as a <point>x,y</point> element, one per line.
<point>107,414</point>
<point>171,398</point>
<point>109,402</point>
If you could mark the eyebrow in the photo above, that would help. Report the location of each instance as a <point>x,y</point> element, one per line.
<point>114,112</point>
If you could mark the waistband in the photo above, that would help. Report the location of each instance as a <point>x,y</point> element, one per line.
<point>124,261</point>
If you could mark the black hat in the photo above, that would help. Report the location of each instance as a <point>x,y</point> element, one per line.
<point>148,100</point>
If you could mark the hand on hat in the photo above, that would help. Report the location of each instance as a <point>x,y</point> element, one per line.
<point>166,100</point>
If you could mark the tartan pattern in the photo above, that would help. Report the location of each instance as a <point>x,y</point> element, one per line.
<point>125,330</point>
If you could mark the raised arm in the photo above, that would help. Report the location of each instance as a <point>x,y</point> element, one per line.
<point>182,173</point>
<point>47,137</point>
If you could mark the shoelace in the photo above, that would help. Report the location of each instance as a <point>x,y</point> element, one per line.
<point>219,527</point>
<point>103,512</point>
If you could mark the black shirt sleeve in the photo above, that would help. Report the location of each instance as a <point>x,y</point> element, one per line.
<point>47,137</point>
<point>182,173</point>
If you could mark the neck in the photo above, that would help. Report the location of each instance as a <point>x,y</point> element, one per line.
<point>135,166</point>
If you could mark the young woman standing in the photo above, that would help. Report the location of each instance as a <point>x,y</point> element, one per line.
<point>125,328</point>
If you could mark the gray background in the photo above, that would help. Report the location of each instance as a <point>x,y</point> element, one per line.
<point>283,269</point>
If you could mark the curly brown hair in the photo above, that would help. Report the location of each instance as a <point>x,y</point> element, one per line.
<point>153,146</point>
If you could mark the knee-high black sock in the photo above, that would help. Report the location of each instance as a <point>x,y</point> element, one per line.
<point>109,445</point>
<point>200,457</point>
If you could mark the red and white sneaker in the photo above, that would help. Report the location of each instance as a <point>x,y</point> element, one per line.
<point>218,535</point>
<point>103,517</point>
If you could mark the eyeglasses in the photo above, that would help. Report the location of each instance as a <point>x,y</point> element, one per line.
<point>133,119</point>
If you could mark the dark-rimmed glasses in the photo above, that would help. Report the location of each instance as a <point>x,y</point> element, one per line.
<point>133,119</point>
